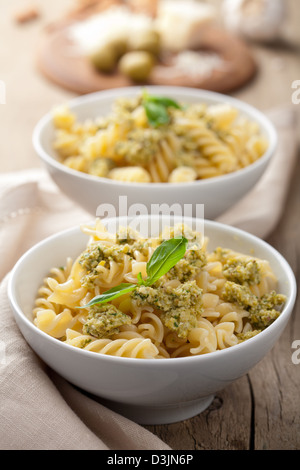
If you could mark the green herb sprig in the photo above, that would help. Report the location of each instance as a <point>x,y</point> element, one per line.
<point>163,259</point>
<point>156,108</point>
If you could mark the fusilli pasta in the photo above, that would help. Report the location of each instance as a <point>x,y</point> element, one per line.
<point>208,301</point>
<point>199,142</point>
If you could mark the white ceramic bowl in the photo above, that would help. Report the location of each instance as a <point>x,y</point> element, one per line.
<point>149,391</point>
<point>217,194</point>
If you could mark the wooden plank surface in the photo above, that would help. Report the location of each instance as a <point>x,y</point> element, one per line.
<point>261,410</point>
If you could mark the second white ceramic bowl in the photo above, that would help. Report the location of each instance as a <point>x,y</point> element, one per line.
<point>216,194</point>
<point>149,391</point>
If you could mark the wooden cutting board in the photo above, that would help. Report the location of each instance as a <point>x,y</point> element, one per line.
<point>58,60</point>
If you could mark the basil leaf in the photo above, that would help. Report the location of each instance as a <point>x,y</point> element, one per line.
<point>164,258</point>
<point>111,294</point>
<point>140,279</point>
<point>164,101</point>
<point>156,114</point>
<point>156,108</point>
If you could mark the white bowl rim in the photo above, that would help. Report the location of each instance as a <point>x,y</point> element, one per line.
<point>250,343</point>
<point>242,106</point>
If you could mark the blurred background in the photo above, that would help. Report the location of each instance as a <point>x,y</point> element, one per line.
<point>268,29</point>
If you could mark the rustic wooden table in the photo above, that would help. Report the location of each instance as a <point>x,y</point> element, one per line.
<point>261,410</point>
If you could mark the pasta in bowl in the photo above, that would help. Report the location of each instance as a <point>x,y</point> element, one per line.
<point>154,139</point>
<point>161,144</point>
<point>153,326</point>
<point>204,303</point>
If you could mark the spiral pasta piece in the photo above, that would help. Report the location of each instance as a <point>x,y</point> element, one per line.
<point>225,335</point>
<point>54,324</point>
<point>203,338</point>
<point>151,327</point>
<point>133,174</point>
<point>138,348</point>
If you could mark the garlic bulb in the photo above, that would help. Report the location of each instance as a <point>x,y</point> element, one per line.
<point>259,20</point>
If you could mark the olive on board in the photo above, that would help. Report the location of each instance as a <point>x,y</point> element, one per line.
<point>119,44</point>
<point>147,40</point>
<point>137,65</point>
<point>104,59</point>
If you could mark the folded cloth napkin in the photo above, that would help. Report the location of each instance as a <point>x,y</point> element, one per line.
<point>38,409</point>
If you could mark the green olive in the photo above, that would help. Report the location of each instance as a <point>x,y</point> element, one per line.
<point>104,59</point>
<point>148,41</point>
<point>137,65</point>
<point>118,44</point>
